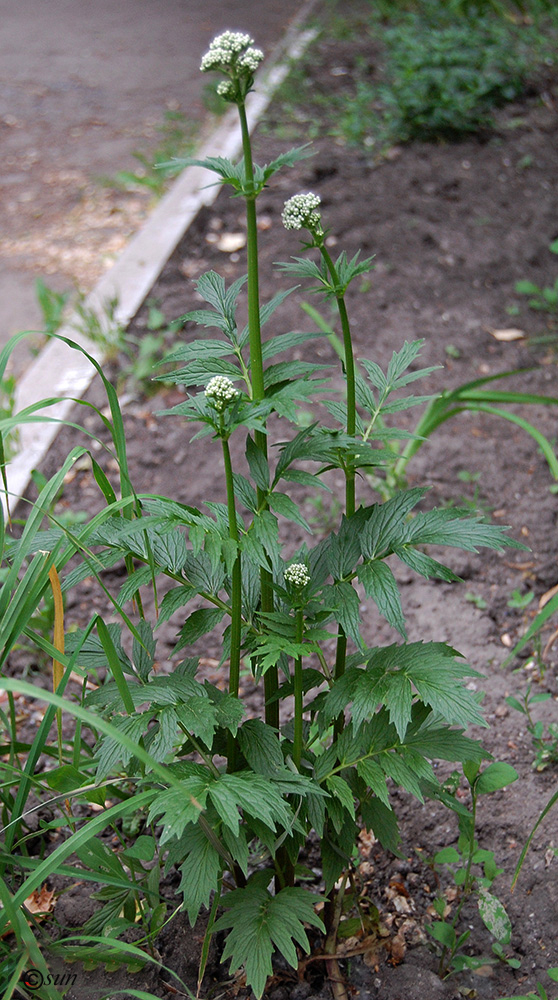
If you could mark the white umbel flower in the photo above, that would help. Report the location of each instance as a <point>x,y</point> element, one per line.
<point>232,52</point>
<point>221,392</point>
<point>300,212</point>
<point>249,60</point>
<point>297,575</point>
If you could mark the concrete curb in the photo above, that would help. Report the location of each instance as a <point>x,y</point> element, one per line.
<point>65,373</point>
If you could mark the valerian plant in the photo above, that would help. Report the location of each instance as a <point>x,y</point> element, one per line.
<point>236,798</point>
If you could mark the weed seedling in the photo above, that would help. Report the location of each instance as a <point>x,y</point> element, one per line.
<point>541,299</point>
<point>52,306</point>
<point>544,738</point>
<point>138,357</point>
<point>541,993</point>
<point>177,138</point>
<point>519,600</point>
<point>462,862</point>
<point>476,599</point>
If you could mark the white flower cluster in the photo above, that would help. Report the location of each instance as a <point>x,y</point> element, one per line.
<point>232,52</point>
<point>221,392</point>
<point>300,212</point>
<point>227,90</point>
<point>297,575</point>
<point>249,60</point>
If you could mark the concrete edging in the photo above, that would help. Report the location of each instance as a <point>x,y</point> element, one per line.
<point>64,372</point>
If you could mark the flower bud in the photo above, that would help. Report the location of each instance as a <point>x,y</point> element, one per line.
<point>300,212</point>
<point>227,90</point>
<point>297,575</point>
<point>221,392</point>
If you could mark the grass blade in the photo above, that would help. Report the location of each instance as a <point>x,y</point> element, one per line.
<point>535,626</point>
<point>115,665</point>
<point>551,802</point>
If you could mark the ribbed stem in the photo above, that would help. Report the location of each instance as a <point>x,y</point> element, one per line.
<point>350,500</point>
<point>254,327</point>
<point>350,503</point>
<point>340,661</point>
<point>298,693</point>
<point>236,596</point>
<point>271,680</point>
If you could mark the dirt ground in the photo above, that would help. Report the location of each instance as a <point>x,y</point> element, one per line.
<point>452,228</point>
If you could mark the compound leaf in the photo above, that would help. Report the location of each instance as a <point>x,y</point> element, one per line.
<point>380,584</point>
<point>200,871</point>
<point>198,624</point>
<point>259,923</point>
<point>261,747</point>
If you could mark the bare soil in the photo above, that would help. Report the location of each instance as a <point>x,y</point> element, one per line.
<point>452,228</point>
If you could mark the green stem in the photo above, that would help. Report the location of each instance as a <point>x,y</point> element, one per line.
<point>349,373</point>
<point>254,327</point>
<point>207,938</point>
<point>271,678</point>
<point>350,501</point>
<point>467,884</point>
<point>340,660</point>
<point>200,750</point>
<point>297,688</point>
<point>236,596</point>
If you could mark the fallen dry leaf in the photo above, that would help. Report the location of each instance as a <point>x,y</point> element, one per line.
<point>550,644</point>
<point>399,902</point>
<point>367,840</point>
<point>40,903</point>
<point>548,596</point>
<point>399,886</point>
<point>414,933</point>
<point>403,905</point>
<point>508,334</point>
<point>371,950</point>
<point>348,945</point>
<point>517,565</point>
<point>397,948</point>
<point>366,868</point>
<point>485,971</point>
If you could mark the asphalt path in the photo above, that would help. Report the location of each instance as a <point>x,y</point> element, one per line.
<point>82,86</point>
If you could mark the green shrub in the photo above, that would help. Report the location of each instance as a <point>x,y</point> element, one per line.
<point>444,81</point>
